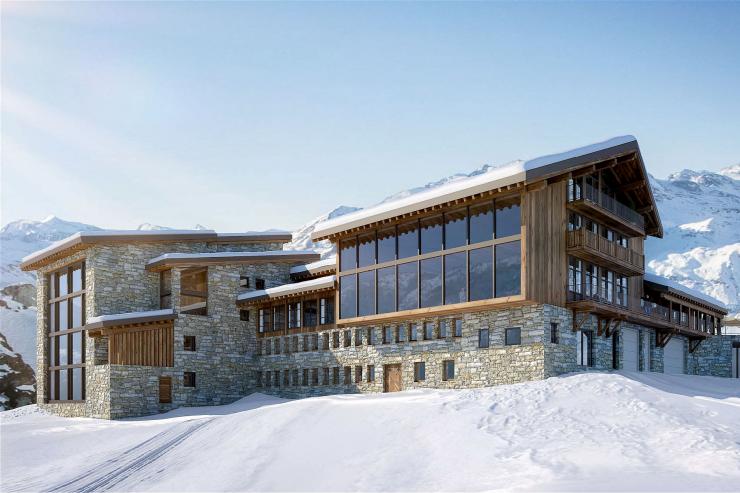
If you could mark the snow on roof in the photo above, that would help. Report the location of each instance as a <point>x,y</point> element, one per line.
<point>153,235</point>
<point>237,255</point>
<point>129,315</point>
<point>496,177</point>
<point>288,289</point>
<point>664,281</point>
<point>314,266</point>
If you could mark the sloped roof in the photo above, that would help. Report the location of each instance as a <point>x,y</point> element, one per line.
<point>84,239</point>
<point>517,172</point>
<point>668,285</point>
<point>326,282</point>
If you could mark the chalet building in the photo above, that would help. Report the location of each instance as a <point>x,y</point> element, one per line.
<point>525,272</point>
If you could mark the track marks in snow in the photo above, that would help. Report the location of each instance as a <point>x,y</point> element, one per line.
<point>105,476</point>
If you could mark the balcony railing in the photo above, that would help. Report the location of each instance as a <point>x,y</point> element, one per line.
<point>583,238</point>
<point>600,199</point>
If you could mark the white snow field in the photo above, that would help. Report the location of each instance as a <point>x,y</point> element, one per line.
<point>589,431</point>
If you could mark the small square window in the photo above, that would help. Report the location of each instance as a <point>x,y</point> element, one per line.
<point>188,379</point>
<point>259,284</point>
<point>244,282</point>
<point>244,315</point>
<point>443,329</point>
<point>369,334</point>
<point>413,332</point>
<point>399,334</point>
<point>326,341</point>
<point>513,336</point>
<point>419,372</point>
<point>387,335</point>
<point>358,374</point>
<point>448,369</point>
<point>335,339</point>
<point>305,377</point>
<point>188,343</point>
<point>358,337</point>
<point>370,373</point>
<point>326,376</point>
<point>347,375</point>
<point>315,376</point>
<point>335,375</point>
<point>554,333</point>
<point>483,338</point>
<point>458,327</point>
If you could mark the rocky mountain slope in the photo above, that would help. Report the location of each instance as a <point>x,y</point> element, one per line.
<point>700,211</point>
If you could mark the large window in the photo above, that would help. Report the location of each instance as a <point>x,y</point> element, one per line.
<point>431,282</point>
<point>410,265</point>
<point>194,291</point>
<point>508,269</point>
<point>66,318</point>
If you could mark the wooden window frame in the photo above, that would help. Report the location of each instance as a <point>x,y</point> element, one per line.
<point>195,293</point>
<point>185,344</point>
<point>188,379</point>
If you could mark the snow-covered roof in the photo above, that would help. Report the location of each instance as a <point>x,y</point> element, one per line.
<point>509,174</point>
<point>83,238</point>
<point>692,293</point>
<point>313,267</point>
<point>169,259</point>
<point>325,282</point>
<point>129,318</point>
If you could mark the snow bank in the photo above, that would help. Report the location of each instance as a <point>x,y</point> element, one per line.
<point>591,431</point>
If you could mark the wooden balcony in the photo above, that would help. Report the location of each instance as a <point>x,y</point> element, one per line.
<point>608,210</point>
<point>636,311</point>
<point>594,248</point>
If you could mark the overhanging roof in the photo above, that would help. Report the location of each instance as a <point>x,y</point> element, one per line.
<point>129,318</point>
<point>320,284</point>
<point>326,266</point>
<point>519,172</point>
<point>169,260</point>
<point>85,239</point>
<point>665,285</point>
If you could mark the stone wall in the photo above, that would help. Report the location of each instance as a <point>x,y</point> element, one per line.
<point>474,366</point>
<point>713,357</point>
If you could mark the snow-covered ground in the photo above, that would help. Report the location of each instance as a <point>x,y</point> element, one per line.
<point>592,431</point>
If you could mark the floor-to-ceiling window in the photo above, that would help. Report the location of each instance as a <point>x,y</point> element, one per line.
<point>465,254</point>
<point>66,318</point>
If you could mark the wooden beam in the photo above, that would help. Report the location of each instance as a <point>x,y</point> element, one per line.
<point>694,344</point>
<point>576,324</point>
<point>635,185</point>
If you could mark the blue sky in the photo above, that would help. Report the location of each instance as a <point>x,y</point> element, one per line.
<point>264,115</point>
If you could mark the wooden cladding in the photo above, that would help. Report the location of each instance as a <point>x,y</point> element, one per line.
<point>142,346</point>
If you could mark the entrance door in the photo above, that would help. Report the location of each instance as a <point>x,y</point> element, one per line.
<point>630,350</point>
<point>392,378</point>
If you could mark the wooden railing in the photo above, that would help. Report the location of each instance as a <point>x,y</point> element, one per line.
<point>612,205</point>
<point>587,239</point>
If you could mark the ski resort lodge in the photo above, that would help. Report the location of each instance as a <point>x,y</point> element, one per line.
<point>522,273</point>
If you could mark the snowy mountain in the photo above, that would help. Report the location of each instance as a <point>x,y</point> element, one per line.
<point>700,211</point>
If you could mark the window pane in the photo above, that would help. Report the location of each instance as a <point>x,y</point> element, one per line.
<point>366,253</point>
<point>431,234</point>
<point>366,286</point>
<point>63,390</point>
<point>53,361</point>
<point>53,385</point>
<point>53,317</point>
<point>63,315</point>
<point>408,294</point>
<point>431,282</point>
<point>387,290</point>
<point>348,254</point>
<point>513,336</point>
<point>408,240</point>
<point>483,338</point>
<point>508,269</point>
<point>481,274</point>
<point>63,353</point>
<point>456,228</point>
<point>508,218</point>
<point>348,296</point>
<point>77,348</point>
<point>77,384</point>
<point>63,287</point>
<point>194,292</point>
<point>310,313</point>
<point>481,222</point>
<point>76,311</point>
<point>455,282</point>
<point>76,279</point>
<point>387,245</point>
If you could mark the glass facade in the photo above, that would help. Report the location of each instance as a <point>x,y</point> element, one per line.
<point>464,254</point>
<point>66,317</point>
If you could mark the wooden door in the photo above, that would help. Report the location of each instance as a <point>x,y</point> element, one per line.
<point>165,390</point>
<point>392,378</point>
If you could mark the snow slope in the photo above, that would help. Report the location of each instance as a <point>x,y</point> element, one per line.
<point>590,431</point>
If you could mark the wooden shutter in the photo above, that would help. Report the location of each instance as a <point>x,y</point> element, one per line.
<point>165,390</point>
